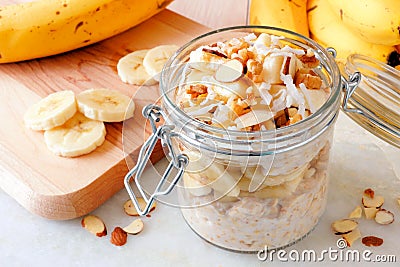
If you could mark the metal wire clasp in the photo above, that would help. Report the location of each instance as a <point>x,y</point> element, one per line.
<point>349,86</point>
<point>179,161</point>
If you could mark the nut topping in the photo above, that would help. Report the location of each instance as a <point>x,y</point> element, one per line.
<point>230,71</point>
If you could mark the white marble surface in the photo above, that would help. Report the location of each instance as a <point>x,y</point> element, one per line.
<point>359,160</point>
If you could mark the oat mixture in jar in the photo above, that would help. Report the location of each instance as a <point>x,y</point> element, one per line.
<point>248,122</point>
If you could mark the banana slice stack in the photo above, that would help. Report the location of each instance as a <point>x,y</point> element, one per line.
<point>74,125</point>
<point>143,67</point>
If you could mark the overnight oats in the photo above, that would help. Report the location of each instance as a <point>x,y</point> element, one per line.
<point>255,109</point>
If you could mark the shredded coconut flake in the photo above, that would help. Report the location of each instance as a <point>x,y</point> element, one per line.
<point>297,97</point>
<point>202,110</point>
<point>287,48</point>
<point>304,89</point>
<point>250,37</point>
<point>264,92</point>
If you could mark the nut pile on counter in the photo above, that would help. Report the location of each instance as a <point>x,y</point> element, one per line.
<point>254,83</point>
<point>119,236</point>
<point>373,210</point>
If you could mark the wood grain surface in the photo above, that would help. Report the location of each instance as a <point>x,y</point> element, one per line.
<point>64,188</point>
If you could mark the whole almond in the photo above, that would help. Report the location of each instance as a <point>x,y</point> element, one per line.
<point>119,236</point>
<point>372,241</point>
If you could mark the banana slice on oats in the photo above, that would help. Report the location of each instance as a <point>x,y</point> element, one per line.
<point>51,111</point>
<point>212,174</point>
<point>77,136</point>
<point>131,70</point>
<point>105,105</point>
<point>155,59</point>
<point>195,187</point>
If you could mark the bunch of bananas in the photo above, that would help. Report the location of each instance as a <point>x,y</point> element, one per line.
<point>367,27</point>
<point>47,27</point>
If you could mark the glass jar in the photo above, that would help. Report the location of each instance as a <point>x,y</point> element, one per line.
<point>244,190</point>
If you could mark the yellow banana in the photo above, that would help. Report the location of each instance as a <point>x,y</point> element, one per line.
<point>287,14</point>
<point>47,27</point>
<point>375,21</point>
<point>328,30</point>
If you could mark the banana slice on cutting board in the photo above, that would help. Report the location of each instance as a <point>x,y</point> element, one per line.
<point>105,105</point>
<point>51,111</point>
<point>155,59</point>
<point>77,136</point>
<point>131,70</point>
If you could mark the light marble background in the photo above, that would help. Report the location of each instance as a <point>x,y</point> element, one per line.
<point>359,160</point>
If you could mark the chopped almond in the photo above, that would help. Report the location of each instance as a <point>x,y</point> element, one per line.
<point>130,209</point>
<point>375,202</point>
<point>352,236</point>
<point>94,225</point>
<point>370,212</point>
<point>356,213</point>
<point>134,227</point>
<point>230,71</point>
<point>344,226</point>
<point>369,192</point>
<point>384,217</point>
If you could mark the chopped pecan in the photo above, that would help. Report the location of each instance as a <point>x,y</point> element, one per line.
<point>296,118</point>
<point>309,61</point>
<point>254,67</point>
<point>309,80</point>
<point>196,90</point>
<point>240,107</point>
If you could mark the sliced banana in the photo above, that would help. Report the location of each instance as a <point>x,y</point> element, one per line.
<point>155,59</point>
<point>51,111</point>
<point>105,105</point>
<point>278,191</point>
<point>195,187</point>
<point>77,136</point>
<point>255,173</point>
<point>131,70</point>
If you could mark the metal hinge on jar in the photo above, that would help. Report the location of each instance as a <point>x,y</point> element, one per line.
<point>178,161</point>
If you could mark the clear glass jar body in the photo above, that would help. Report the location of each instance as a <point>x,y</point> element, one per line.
<point>218,197</point>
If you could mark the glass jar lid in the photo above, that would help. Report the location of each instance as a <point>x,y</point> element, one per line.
<point>375,103</point>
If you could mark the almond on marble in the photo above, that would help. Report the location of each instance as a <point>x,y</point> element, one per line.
<point>119,236</point>
<point>94,225</point>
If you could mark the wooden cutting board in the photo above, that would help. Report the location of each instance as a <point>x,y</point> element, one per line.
<point>65,188</point>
